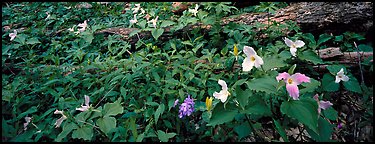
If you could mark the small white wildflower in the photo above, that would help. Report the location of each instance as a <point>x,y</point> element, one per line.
<point>293,45</point>
<point>13,35</point>
<point>153,21</point>
<point>195,10</point>
<point>341,77</point>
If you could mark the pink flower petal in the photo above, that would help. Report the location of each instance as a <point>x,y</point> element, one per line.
<point>288,42</point>
<point>325,104</point>
<point>298,78</point>
<point>283,75</point>
<point>293,91</point>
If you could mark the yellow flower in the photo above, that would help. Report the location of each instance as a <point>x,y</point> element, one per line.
<point>209,103</point>
<point>235,51</point>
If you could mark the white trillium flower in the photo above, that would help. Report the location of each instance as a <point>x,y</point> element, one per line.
<point>27,119</point>
<point>293,45</point>
<point>223,94</point>
<point>195,10</point>
<point>86,106</point>
<point>48,15</point>
<point>83,26</point>
<point>252,59</point>
<point>142,11</point>
<point>341,77</point>
<point>153,21</point>
<point>13,35</point>
<point>60,120</point>
<point>133,21</point>
<point>136,9</point>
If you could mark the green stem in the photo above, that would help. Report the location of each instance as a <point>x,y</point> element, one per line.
<point>265,138</point>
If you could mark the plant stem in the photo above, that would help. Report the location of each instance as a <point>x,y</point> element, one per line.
<point>359,63</point>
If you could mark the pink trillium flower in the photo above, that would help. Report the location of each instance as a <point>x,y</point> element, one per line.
<point>60,120</point>
<point>86,107</point>
<point>292,83</point>
<point>13,35</point>
<point>322,104</point>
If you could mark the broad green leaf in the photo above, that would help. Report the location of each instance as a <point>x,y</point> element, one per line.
<point>324,133</point>
<point>352,84</point>
<point>31,110</point>
<point>164,137</point>
<point>271,62</point>
<point>291,69</point>
<point>159,112</point>
<point>323,38</point>
<point>85,132</point>
<point>330,113</point>
<point>281,130</point>
<point>333,69</point>
<point>221,115</point>
<point>309,87</point>
<point>365,48</point>
<point>113,108</point>
<point>310,56</point>
<point>32,41</point>
<point>229,63</point>
<point>166,23</point>
<point>134,32</point>
<point>156,33</point>
<point>68,127</point>
<point>242,130</point>
<point>242,96</point>
<point>328,83</point>
<point>133,127</point>
<point>304,110</point>
<point>106,124</point>
<point>257,106</point>
<point>266,84</point>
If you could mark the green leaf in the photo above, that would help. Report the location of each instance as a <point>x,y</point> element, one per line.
<point>311,56</point>
<point>323,38</point>
<point>159,112</point>
<point>242,130</point>
<point>85,132</point>
<point>156,33</point>
<point>330,113</point>
<point>164,137</point>
<point>281,130</point>
<point>304,110</point>
<point>273,61</point>
<point>68,127</point>
<point>365,48</point>
<point>166,23</point>
<point>106,124</point>
<point>113,108</point>
<point>31,110</point>
<point>257,106</point>
<point>229,63</point>
<point>309,87</point>
<point>242,96</point>
<point>32,41</point>
<point>324,133</point>
<point>328,83</point>
<point>266,84</point>
<point>333,69</point>
<point>291,69</point>
<point>221,115</point>
<point>352,84</point>
<point>134,32</point>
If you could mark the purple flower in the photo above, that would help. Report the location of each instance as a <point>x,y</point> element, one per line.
<point>339,126</point>
<point>187,107</point>
<point>322,104</point>
<point>175,103</point>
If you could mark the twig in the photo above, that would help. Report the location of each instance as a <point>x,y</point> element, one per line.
<point>104,97</point>
<point>359,62</point>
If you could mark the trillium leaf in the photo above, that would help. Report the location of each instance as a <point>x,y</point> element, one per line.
<point>266,84</point>
<point>271,62</point>
<point>352,84</point>
<point>328,83</point>
<point>330,113</point>
<point>221,115</point>
<point>85,133</point>
<point>242,130</point>
<point>68,127</point>
<point>281,130</point>
<point>257,106</point>
<point>310,87</point>
<point>156,33</point>
<point>32,41</point>
<point>113,108</point>
<point>164,137</point>
<point>325,130</point>
<point>166,23</point>
<point>311,56</point>
<point>304,110</point>
<point>106,124</point>
<point>242,96</point>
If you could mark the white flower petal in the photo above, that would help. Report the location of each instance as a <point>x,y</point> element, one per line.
<point>222,96</point>
<point>249,51</point>
<point>87,100</point>
<point>338,79</point>
<point>299,43</point>
<point>258,61</point>
<point>341,72</point>
<point>293,51</point>
<point>223,84</point>
<point>247,64</point>
<point>288,42</point>
<point>59,121</point>
<point>345,78</point>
